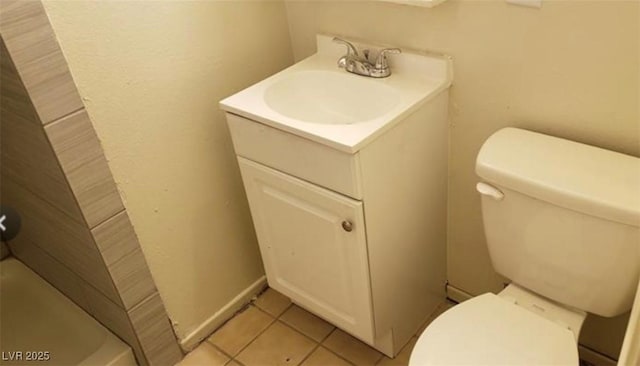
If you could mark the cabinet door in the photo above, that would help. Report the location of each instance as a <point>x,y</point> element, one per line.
<point>308,254</point>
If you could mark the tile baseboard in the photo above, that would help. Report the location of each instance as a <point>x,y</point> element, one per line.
<point>205,329</point>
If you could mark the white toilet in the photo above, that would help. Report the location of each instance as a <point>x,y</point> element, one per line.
<point>562,222</point>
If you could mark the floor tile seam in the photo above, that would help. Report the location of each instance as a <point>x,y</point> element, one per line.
<point>271,322</point>
<point>285,310</point>
<point>380,358</point>
<point>319,343</point>
<point>334,352</point>
<point>337,355</point>
<point>309,354</point>
<point>276,320</point>
<point>254,303</point>
<point>218,349</point>
<point>307,336</point>
<point>235,315</point>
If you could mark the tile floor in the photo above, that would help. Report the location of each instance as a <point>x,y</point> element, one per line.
<point>273,331</point>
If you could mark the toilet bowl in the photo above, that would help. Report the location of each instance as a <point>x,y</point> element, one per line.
<point>497,330</point>
<point>562,222</point>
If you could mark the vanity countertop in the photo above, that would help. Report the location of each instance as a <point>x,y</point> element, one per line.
<point>317,100</point>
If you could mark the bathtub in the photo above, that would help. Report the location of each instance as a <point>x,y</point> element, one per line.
<point>40,326</point>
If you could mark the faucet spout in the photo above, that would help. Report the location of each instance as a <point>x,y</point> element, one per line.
<point>351,49</point>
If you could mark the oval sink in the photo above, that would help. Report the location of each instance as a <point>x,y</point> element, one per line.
<point>328,97</point>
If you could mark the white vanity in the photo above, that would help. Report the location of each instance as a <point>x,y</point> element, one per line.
<point>346,178</point>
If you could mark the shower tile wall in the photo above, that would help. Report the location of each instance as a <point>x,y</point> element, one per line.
<point>75,230</point>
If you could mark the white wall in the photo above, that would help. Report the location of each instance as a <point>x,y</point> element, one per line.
<point>569,69</point>
<point>151,75</point>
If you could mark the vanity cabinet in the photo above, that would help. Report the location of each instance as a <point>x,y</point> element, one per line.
<point>346,178</point>
<point>357,238</point>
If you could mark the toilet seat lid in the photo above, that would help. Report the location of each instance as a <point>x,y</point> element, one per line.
<point>490,330</point>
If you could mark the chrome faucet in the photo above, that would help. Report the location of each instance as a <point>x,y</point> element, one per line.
<point>360,65</point>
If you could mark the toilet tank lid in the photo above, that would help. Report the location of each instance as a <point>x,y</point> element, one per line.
<point>569,174</point>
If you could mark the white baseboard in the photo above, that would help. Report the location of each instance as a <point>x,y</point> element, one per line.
<point>586,354</point>
<point>194,338</point>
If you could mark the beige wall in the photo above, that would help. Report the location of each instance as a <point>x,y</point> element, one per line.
<point>569,69</point>
<point>151,75</point>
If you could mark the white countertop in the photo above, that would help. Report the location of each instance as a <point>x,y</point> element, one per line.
<point>416,78</point>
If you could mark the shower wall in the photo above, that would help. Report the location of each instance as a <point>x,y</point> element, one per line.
<point>75,230</point>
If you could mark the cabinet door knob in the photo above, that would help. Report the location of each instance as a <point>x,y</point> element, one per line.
<point>347,225</point>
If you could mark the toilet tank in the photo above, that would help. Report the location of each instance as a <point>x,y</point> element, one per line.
<point>562,218</point>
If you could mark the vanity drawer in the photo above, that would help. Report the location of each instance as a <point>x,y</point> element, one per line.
<point>302,158</point>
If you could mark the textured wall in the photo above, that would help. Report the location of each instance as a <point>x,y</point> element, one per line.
<point>569,69</point>
<point>151,75</point>
<point>75,232</point>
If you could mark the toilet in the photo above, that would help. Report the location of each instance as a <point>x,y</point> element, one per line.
<point>562,223</point>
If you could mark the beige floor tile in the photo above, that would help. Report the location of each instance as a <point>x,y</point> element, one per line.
<point>351,349</point>
<point>307,323</point>
<point>402,358</point>
<point>278,345</point>
<point>273,302</point>
<point>240,330</point>
<point>322,357</point>
<point>204,354</point>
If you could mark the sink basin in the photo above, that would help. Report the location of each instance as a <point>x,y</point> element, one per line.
<point>330,97</point>
<point>318,101</point>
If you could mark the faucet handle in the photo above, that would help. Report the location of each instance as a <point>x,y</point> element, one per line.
<point>381,61</point>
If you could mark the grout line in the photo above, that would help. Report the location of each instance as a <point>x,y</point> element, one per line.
<point>318,344</point>
<point>337,355</point>
<point>285,310</point>
<point>301,333</point>
<point>79,276</point>
<point>257,307</point>
<point>77,111</point>
<point>277,320</point>
<point>309,354</point>
<point>109,218</point>
<point>81,208</point>
<point>259,333</point>
<point>328,334</point>
<point>53,205</point>
<point>206,339</point>
<point>236,361</point>
<point>343,357</point>
<point>217,348</point>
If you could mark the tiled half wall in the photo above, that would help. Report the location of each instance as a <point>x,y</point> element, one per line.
<point>75,230</point>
